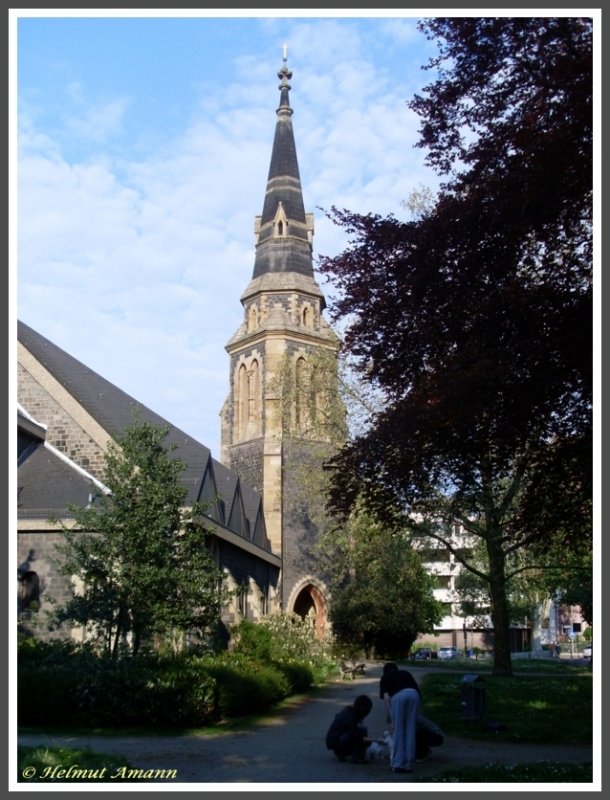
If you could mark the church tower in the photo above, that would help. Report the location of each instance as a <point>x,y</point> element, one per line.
<point>277,422</point>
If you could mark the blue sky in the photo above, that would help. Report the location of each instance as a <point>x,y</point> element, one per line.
<point>144,145</point>
<point>143,151</point>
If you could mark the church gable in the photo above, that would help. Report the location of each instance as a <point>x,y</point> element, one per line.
<point>259,535</point>
<point>253,508</point>
<point>237,516</point>
<point>208,495</point>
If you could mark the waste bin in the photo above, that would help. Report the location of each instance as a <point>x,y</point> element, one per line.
<point>473,697</point>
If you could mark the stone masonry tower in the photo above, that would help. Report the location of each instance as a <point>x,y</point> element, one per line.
<point>267,433</point>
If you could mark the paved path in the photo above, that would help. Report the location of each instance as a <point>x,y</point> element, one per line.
<point>288,747</point>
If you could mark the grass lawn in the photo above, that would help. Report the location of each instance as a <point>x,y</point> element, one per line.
<point>549,709</point>
<point>539,772</point>
<point>51,765</point>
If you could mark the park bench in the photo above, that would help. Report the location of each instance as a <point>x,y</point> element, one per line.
<point>351,669</point>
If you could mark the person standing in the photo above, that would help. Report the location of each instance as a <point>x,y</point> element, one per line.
<point>427,733</point>
<point>401,696</point>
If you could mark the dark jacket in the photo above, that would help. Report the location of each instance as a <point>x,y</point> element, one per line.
<point>396,681</point>
<point>345,722</point>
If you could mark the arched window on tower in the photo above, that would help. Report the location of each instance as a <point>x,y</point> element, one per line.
<point>254,399</point>
<point>280,228</point>
<point>306,316</point>
<point>314,394</point>
<point>242,402</point>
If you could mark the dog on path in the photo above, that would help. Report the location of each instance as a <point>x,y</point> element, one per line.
<point>381,749</point>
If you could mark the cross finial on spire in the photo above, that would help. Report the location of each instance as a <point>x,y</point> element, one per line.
<point>284,74</point>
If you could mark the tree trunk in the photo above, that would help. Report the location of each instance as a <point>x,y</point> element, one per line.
<point>537,614</point>
<point>117,639</point>
<point>499,605</point>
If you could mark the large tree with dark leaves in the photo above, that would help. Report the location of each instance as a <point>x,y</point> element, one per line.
<point>475,319</point>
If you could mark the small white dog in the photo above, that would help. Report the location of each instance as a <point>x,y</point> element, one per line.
<point>381,749</point>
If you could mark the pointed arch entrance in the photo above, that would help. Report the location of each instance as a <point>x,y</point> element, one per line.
<point>307,600</point>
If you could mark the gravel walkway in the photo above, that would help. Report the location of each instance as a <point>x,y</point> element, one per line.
<point>289,748</point>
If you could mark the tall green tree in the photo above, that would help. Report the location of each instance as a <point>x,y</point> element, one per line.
<point>475,318</point>
<point>381,595</point>
<point>138,559</point>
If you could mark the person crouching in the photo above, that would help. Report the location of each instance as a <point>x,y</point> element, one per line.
<point>347,736</point>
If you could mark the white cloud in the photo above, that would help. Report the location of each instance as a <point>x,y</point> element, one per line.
<point>97,123</point>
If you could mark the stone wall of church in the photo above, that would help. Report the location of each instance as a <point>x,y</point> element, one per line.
<point>303,514</point>
<point>36,551</point>
<point>244,568</point>
<point>63,432</point>
<point>246,460</point>
<point>260,579</point>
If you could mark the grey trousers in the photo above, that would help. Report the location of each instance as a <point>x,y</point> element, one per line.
<point>405,706</point>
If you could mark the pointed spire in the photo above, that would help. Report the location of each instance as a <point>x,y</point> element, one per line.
<point>284,230</point>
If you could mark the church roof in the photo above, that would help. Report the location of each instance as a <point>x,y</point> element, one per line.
<point>47,480</point>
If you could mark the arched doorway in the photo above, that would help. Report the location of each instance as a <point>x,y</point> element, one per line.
<point>309,604</point>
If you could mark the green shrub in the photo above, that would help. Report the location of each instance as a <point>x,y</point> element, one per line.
<point>300,676</point>
<point>285,638</point>
<point>254,640</point>
<point>180,691</point>
<point>75,687</point>
<point>246,687</point>
<point>71,684</point>
<point>52,680</point>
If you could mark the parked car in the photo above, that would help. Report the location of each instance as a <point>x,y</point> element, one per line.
<point>587,651</point>
<point>448,652</point>
<point>422,654</point>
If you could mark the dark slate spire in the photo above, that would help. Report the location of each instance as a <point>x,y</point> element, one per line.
<point>284,230</point>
